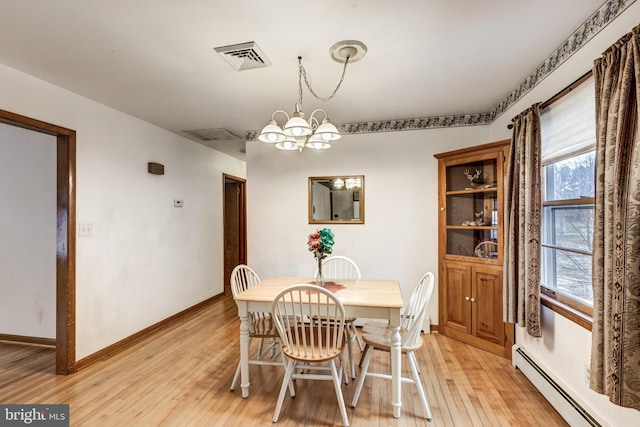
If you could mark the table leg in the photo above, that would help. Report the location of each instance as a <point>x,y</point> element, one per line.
<point>244,350</point>
<point>396,371</point>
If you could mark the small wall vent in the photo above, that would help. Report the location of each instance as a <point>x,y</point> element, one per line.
<point>244,56</point>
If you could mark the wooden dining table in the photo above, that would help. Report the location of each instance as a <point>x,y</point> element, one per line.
<point>365,298</point>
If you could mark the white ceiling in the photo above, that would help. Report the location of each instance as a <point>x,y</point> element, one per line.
<point>155,59</point>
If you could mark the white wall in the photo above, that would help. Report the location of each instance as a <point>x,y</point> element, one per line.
<point>399,237</point>
<point>28,230</point>
<point>146,259</point>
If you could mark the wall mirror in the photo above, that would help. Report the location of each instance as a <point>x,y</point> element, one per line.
<point>336,199</point>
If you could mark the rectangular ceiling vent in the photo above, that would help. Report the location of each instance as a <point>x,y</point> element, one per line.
<point>244,56</point>
<point>217,134</point>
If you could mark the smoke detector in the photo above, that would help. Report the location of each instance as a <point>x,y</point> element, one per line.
<point>244,56</point>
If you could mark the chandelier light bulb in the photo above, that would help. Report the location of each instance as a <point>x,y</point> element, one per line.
<point>316,142</point>
<point>318,145</point>
<point>271,133</point>
<point>289,144</point>
<point>297,126</point>
<point>327,131</point>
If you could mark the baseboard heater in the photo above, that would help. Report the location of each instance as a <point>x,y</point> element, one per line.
<point>571,410</point>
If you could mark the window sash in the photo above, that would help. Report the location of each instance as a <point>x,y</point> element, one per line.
<point>565,281</point>
<point>552,219</point>
<point>562,284</point>
<point>549,181</point>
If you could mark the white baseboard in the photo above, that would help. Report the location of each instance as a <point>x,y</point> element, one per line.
<point>426,325</point>
<point>574,411</point>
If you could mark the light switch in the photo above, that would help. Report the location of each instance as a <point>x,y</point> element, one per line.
<point>85,229</point>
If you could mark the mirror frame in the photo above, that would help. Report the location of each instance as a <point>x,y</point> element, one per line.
<point>331,221</point>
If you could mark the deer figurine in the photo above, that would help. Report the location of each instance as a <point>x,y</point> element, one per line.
<point>476,222</point>
<point>472,178</point>
<point>479,218</point>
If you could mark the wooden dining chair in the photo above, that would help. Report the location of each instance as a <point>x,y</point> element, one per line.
<point>341,267</point>
<point>314,345</point>
<point>261,325</point>
<point>378,337</point>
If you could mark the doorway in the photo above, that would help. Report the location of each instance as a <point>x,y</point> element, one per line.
<point>235,225</point>
<point>65,235</point>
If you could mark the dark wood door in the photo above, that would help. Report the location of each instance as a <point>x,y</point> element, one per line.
<point>234,226</point>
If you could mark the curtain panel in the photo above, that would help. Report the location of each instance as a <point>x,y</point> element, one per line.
<point>522,222</point>
<point>615,351</point>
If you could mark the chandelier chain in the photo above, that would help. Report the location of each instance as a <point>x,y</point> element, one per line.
<point>307,80</point>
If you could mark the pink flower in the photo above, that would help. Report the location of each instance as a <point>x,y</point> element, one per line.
<point>320,243</point>
<point>314,244</point>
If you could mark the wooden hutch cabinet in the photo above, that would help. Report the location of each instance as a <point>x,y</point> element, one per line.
<point>470,223</point>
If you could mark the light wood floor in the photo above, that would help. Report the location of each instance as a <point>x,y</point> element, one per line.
<point>181,377</point>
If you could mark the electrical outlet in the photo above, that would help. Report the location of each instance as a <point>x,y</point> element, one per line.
<point>85,229</point>
<point>178,203</point>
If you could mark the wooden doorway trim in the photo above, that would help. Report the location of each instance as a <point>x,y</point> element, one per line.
<point>65,235</point>
<point>241,220</point>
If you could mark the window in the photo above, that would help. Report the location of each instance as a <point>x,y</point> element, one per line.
<point>568,175</point>
<point>567,224</point>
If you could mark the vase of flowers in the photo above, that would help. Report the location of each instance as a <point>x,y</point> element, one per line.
<point>321,244</point>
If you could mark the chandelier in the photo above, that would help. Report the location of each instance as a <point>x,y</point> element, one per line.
<point>299,132</point>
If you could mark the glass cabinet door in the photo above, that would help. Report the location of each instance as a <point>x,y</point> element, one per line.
<point>471,211</point>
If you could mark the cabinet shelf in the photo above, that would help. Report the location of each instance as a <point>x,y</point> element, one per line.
<point>471,227</point>
<point>472,191</point>
<point>476,261</point>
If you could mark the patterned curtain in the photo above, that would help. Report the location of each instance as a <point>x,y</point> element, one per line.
<point>615,351</point>
<point>522,221</point>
